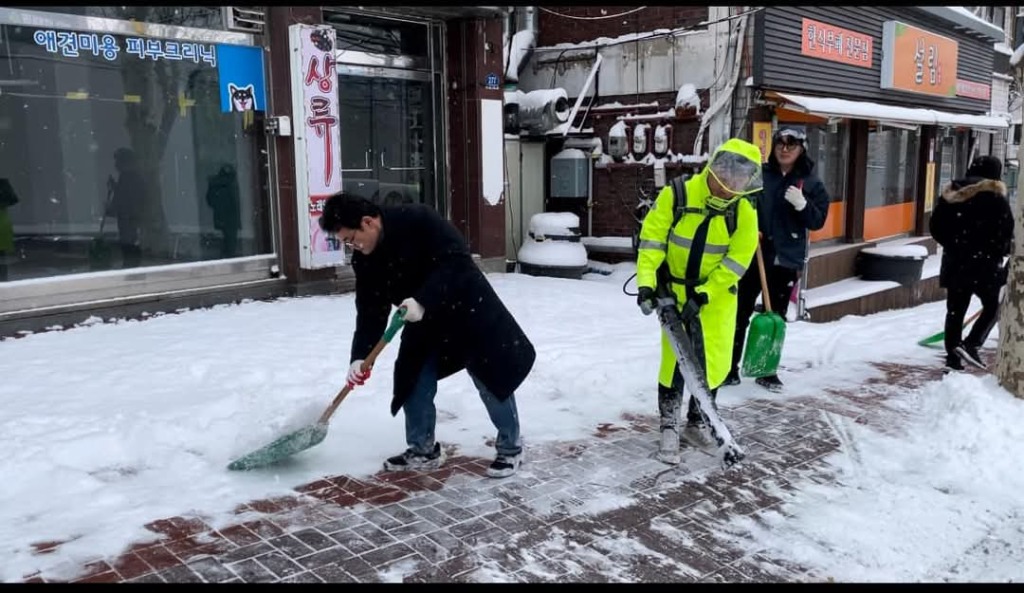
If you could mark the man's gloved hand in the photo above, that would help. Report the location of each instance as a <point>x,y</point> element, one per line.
<point>413,310</point>
<point>795,196</point>
<point>356,376</point>
<point>645,299</point>
<point>692,307</point>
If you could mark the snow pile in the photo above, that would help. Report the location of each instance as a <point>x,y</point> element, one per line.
<point>545,251</point>
<point>916,505</point>
<point>687,97</point>
<point>1017,55</point>
<point>553,254</point>
<point>554,224</point>
<point>911,251</point>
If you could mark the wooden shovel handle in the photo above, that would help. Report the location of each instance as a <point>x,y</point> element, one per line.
<point>764,281</point>
<point>396,324</point>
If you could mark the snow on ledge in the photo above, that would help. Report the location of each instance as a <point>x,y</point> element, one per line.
<point>901,251</point>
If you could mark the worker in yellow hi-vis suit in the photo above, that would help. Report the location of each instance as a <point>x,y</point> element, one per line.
<point>720,228</point>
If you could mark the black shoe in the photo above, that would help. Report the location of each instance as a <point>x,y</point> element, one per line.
<point>504,466</point>
<point>733,378</point>
<point>771,383</point>
<point>953,363</point>
<point>970,354</point>
<point>410,461</point>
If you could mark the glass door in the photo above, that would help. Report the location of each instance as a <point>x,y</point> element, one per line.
<point>387,128</point>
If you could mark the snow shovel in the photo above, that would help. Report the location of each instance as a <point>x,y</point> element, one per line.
<point>311,435</point>
<point>766,334</point>
<point>941,336</point>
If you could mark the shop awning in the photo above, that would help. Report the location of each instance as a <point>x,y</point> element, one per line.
<point>830,107</point>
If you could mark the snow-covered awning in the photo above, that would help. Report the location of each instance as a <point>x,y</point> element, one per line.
<point>830,107</point>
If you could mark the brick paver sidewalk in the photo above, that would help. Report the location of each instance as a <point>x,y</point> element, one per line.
<point>595,510</point>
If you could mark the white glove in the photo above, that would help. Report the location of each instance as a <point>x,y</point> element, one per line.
<point>356,376</point>
<point>795,196</point>
<point>413,310</point>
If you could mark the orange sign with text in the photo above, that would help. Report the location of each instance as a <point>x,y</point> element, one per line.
<point>829,42</point>
<point>918,61</point>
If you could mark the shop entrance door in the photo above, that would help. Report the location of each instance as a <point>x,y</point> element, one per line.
<point>388,146</point>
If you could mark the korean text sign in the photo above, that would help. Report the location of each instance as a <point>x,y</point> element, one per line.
<point>829,42</point>
<point>918,61</point>
<point>317,140</point>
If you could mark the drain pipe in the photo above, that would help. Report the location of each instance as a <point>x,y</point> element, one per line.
<point>726,97</point>
<point>522,36</point>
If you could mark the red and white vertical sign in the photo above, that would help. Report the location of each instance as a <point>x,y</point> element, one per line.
<point>317,140</point>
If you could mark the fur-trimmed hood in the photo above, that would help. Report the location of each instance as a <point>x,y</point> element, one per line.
<point>960,191</point>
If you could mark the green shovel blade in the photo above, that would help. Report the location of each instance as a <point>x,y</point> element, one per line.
<point>286,446</point>
<point>764,345</point>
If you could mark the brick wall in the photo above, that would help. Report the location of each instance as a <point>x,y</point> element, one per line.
<point>617,187</point>
<point>555,29</point>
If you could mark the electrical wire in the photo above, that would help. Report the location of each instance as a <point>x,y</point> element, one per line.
<point>592,18</point>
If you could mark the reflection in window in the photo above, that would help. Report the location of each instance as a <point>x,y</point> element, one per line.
<point>202,17</point>
<point>892,166</point>
<point>121,161</point>
<point>829,152</point>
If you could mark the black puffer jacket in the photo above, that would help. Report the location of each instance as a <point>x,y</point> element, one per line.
<point>784,229</point>
<point>974,224</point>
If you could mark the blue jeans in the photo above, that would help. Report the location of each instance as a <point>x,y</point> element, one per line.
<point>421,415</point>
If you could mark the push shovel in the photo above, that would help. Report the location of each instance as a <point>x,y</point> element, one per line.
<point>766,334</point>
<point>311,435</point>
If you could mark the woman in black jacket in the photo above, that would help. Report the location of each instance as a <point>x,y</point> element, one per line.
<point>973,223</point>
<point>793,202</point>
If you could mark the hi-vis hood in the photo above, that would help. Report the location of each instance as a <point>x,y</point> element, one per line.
<point>737,146</point>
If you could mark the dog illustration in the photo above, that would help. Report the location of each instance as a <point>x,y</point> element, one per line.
<point>242,97</point>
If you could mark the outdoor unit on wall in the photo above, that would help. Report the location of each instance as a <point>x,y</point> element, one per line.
<point>248,19</point>
<point>569,174</point>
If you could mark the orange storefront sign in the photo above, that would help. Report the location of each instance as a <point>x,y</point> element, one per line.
<point>918,61</point>
<point>829,42</point>
<point>763,138</point>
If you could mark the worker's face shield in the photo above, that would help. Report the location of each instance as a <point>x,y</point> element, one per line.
<point>736,173</point>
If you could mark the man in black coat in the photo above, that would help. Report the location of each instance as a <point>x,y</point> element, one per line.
<point>792,202</point>
<point>408,256</point>
<point>973,223</point>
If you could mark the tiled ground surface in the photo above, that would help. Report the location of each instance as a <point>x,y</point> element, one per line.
<point>596,510</point>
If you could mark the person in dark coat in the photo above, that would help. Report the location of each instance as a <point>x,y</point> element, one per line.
<point>408,256</point>
<point>973,223</point>
<point>127,203</point>
<point>792,202</point>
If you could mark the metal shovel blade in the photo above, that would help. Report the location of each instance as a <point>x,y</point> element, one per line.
<point>286,446</point>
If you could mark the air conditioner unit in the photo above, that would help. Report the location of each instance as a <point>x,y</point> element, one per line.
<point>248,19</point>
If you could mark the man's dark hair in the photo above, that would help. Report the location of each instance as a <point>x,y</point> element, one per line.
<point>346,210</point>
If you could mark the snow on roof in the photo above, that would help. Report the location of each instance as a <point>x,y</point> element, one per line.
<point>606,41</point>
<point>829,106</point>
<point>617,105</point>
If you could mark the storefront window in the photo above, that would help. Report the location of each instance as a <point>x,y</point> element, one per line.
<point>829,146</point>
<point>202,17</point>
<point>891,181</point>
<point>127,151</point>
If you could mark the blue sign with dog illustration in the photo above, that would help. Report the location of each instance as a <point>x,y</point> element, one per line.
<point>242,82</point>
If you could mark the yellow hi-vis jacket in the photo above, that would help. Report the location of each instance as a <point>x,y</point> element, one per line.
<point>723,263</point>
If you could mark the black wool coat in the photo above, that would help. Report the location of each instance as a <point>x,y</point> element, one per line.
<point>421,255</point>
<point>784,229</point>
<point>973,222</point>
